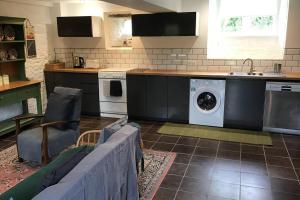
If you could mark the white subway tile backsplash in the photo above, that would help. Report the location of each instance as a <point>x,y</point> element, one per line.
<point>208,62</point>
<point>162,57</point>
<point>292,51</point>
<point>296,57</point>
<point>198,51</point>
<point>219,62</point>
<point>157,51</point>
<point>167,51</point>
<point>181,67</point>
<point>177,51</point>
<point>230,62</point>
<point>266,63</point>
<point>291,63</point>
<point>175,59</point>
<point>192,56</point>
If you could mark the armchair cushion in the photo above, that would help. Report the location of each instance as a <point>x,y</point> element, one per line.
<point>59,108</point>
<point>29,142</point>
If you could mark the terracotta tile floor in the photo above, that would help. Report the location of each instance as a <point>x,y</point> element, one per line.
<point>217,170</point>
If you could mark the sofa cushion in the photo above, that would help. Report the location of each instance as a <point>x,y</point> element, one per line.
<point>111,129</point>
<point>31,186</point>
<point>59,108</point>
<point>57,173</point>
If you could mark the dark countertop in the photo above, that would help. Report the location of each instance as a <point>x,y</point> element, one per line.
<point>74,70</point>
<point>292,76</point>
<point>285,77</point>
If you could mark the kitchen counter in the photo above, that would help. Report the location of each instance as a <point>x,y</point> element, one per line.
<point>292,76</point>
<point>17,84</point>
<point>287,76</point>
<point>75,70</point>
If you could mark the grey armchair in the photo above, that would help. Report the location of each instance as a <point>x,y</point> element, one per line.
<point>58,130</point>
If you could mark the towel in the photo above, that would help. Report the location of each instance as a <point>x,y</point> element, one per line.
<point>106,88</point>
<point>115,88</point>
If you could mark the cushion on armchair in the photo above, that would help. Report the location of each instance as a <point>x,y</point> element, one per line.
<point>59,108</point>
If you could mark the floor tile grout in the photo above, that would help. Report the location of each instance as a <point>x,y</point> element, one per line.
<point>185,170</point>
<point>290,159</point>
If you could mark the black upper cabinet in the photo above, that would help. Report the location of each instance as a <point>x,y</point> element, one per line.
<point>165,24</point>
<point>81,26</point>
<point>244,104</point>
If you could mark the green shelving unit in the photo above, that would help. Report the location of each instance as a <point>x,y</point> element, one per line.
<point>20,88</point>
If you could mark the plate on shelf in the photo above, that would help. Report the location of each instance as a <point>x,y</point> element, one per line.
<point>9,32</point>
<point>3,55</point>
<point>1,33</point>
<point>12,54</point>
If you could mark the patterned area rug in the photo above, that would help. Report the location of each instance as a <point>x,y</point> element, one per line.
<point>11,170</point>
<point>157,164</point>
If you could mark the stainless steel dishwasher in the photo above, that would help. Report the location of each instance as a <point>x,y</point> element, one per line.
<point>282,108</point>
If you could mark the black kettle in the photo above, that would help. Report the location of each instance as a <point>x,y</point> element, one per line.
<point>78,62</point>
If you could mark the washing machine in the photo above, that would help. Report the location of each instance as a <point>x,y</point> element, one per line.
<point>207,98</point>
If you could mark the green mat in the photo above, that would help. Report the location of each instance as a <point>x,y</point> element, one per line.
<point>224,134</point>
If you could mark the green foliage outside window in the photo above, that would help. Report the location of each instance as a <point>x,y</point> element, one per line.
<point>232,24</point>
<point>263,22</point>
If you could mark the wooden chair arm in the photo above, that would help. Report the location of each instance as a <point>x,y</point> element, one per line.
<point>44,146</point>
<point>27,117</point>
<point>89,134</point>
<point>58,122</point>
<point>19,118</point>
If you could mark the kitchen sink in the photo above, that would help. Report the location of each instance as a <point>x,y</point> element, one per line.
<point>256,74</point>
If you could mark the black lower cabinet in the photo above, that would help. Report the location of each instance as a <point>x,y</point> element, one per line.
<point>87,82</point>
<point>244,104</point>
<point>159,98</point>
<point>136,96</point>
<point>156,98</point>
<point>178,99</point>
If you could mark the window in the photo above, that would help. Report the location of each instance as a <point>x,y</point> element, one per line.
<point>247,28</point>
<point>119,31</point>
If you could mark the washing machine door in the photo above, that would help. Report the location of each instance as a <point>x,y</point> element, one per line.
<point>207,100</point>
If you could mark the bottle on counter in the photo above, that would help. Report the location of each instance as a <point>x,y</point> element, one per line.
<point>1,81</point>
<point>5,78</point>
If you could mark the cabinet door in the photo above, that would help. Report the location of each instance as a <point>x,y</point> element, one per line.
<point>136,96</point>
<point>87,82</point>
<point>49,82</point>
<point>156,101</point>
<point>178,99</point>
<point>244,104</point>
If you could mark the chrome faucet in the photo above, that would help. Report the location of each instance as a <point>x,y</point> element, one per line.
<point>252,70</point>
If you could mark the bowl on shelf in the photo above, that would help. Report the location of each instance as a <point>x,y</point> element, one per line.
<point>12,54</point>
<point>9,33</point>
<point>3,55</point>
<point>1,33</point>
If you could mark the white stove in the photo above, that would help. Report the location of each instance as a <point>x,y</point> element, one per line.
<point>113,92</point>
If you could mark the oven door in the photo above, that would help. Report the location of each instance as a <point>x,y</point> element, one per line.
<point>105,97</point>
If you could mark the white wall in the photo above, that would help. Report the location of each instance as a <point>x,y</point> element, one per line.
<point>293,28</point>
